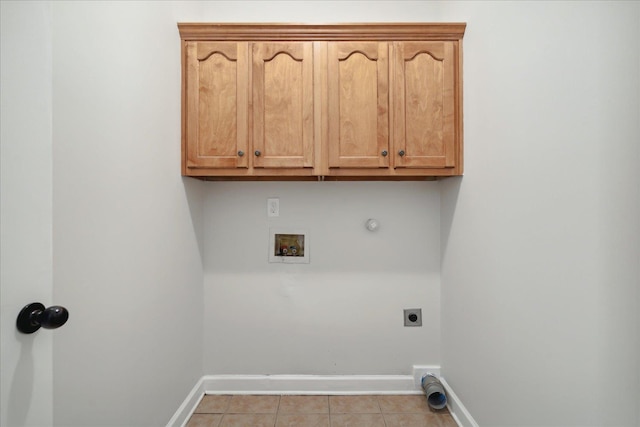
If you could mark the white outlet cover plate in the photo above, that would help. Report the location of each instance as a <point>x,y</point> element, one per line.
<point>273,207</point>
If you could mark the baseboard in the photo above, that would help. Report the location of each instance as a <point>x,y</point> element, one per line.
<point>460,414</point>
<point>421,370</point>
<point>310,384</point>
<point>185,410</point>
<point>318,384</point>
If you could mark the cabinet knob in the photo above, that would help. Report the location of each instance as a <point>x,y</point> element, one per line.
<point>384,153</point>
<point>401,153</point>
<point>240,153</point>
<point>257,153</point>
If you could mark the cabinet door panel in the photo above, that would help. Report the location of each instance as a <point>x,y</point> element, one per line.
<point>283,104</point>
<point>358,97</point>
<point>217,104</point>
<point>424,110</point>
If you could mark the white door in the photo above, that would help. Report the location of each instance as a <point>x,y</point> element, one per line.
<point>25,210</point>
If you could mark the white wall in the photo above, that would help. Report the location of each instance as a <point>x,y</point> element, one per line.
<point>25,206</point>
<point>540,268</point>
<point>343,312</point>
<point>126,257</point>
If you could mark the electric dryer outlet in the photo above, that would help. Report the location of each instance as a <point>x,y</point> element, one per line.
<point>412,317</point>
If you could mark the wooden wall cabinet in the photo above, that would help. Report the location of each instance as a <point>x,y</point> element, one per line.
<point>343,101</point>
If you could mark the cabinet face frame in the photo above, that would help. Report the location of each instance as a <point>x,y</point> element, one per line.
<point>320,36</point>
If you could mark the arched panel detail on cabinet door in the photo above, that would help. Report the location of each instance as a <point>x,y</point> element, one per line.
<point>283,105</point>
<point>217,117</point>
<point>358,98</point>
<point>424,114</point>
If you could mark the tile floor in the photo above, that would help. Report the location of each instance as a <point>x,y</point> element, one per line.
<point>318,411</point>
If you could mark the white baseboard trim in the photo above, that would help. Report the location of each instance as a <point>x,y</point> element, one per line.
<point>189,405</point>
<point>318,384</point>
<point>460,414</point>
<point>420,370</point>
<point>310,384</point>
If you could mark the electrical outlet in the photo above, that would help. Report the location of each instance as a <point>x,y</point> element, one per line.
<point>413,317</point>
<point>273,207</point>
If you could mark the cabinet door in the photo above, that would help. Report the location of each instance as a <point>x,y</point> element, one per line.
<point>358,101</point>
<point>424,105</point>
<point>283,105</point>
<point>217,104</point>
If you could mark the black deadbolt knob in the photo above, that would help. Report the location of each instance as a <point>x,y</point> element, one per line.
<point>34,315</point>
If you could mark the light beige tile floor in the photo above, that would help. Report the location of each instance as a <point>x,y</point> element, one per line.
<point>318,411</point>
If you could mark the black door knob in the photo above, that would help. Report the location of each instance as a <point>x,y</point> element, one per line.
<point>34,315</point>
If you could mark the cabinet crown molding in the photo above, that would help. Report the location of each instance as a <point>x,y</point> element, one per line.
<point>191,31</point>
